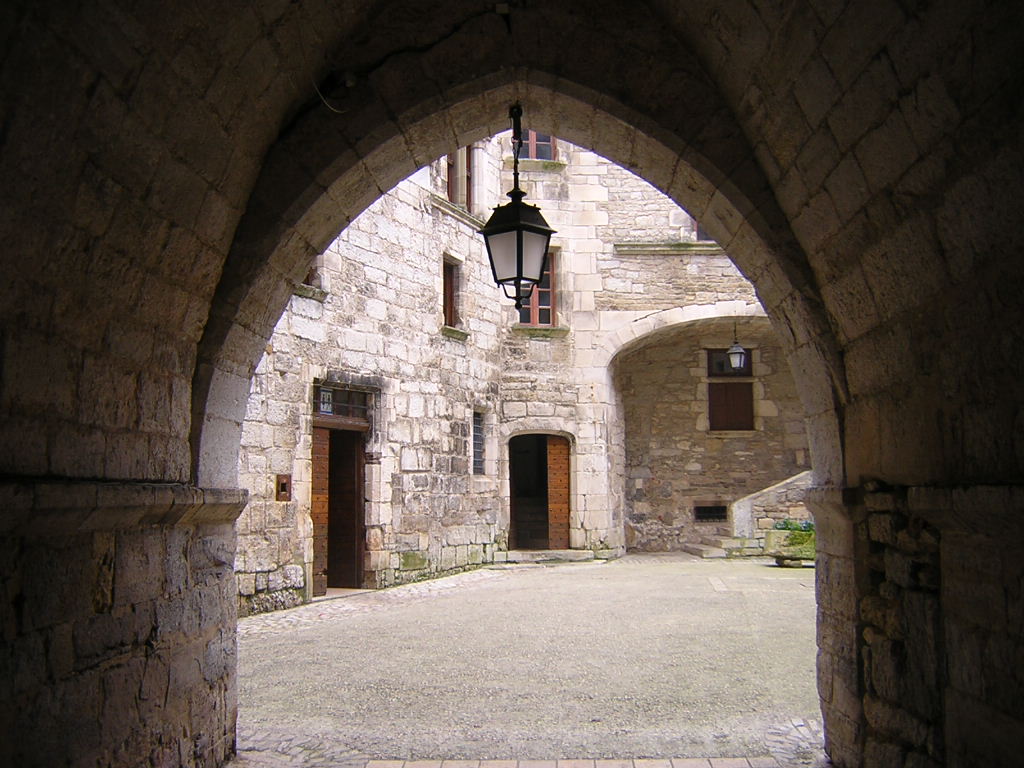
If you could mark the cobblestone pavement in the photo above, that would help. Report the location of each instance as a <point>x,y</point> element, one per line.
<point>289,721</point>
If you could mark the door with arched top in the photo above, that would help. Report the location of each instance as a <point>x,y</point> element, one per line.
<point>539,492</point>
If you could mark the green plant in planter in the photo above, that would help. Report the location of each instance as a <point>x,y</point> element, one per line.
<point>790,542</point>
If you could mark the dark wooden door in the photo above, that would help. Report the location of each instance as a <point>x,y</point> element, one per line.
<point>558,492</point>
<point>345,513</point>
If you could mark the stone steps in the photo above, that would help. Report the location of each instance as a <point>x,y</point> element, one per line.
<point>732,543</point>
<point>704,551</point>
<point>722,544</point>
<point>544,556</point>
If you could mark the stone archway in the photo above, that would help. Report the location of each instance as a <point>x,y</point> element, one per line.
<point>861,162</point>
<point>255,283</point>
<point>315,179</point>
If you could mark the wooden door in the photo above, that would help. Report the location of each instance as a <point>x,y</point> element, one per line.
<point>345,510</point>
<point>558,492</point>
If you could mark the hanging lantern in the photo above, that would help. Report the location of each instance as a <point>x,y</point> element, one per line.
<point>737,354</point>
<point>516,235</point>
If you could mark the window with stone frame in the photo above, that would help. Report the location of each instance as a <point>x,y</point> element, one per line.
<point>730,402</point>
<point>539,146</point>
<point>460,177</point>
<point>450,292</point>
<point>335,405</point>
<point>478,443</point>
<point>539,310</point>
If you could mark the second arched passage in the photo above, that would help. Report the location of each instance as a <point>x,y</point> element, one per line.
<point>700,435</point>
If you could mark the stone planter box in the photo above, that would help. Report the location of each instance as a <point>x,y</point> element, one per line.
<point>789,548</point>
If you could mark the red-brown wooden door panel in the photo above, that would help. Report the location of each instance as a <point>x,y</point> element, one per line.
<point>558,492</point>
<point>318,507</point>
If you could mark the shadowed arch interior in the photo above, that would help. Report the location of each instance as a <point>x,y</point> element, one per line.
<point>169,171</point>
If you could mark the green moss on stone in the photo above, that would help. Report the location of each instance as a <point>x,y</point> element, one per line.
<point>414,561</point>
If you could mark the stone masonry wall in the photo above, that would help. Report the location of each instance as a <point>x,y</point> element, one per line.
<point>754,514</point>
<point>673,461</point>
<point>129,620</point>
<point>903,652</point>
<point>919,624</point>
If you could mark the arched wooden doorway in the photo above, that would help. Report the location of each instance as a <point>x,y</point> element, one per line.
<point>539,492</point>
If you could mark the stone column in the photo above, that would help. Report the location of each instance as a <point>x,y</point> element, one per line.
<point>838,592</point>
<point>920,624</point>
<point>118,622</point>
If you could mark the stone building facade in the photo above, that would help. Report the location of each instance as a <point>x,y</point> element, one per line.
<point>462,397</point>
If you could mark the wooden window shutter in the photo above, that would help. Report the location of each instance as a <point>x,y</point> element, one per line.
<point>731,405</point>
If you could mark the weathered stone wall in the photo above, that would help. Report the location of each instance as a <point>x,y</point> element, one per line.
<point>752,515</point>
<point>127,617</point>
<point>376,322</point>
<point>919,627</point>
<point>673,460</point>
<point>902,647</point>
<point>643,277</point>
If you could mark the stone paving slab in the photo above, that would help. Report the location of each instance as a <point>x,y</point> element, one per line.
<point>719,594</point>
<point>263,760</point>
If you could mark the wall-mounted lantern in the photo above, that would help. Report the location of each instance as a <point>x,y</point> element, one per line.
<point>516,234</point>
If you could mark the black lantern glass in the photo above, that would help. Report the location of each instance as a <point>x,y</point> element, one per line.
<point>516,235</point>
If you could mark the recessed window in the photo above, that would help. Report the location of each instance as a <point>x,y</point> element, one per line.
<point>450,293</point>
<point>540,309</point>
<point>702,235</point>
<point>478,443</point>
<point>460,178</point>
<point>339,404</point>
<point>539,146</point>
<point>712,513</point>
<point>313,277</point>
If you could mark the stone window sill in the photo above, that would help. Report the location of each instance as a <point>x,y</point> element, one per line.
<point>310,292</point>
<point>727,433</point>
<point>529,165</point>
<point>454,333</point>
<point>457,211</point>
<point>483,483</point>
<point>541,331</point>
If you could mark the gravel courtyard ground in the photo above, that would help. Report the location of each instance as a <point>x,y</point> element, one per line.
<point>646,656</point>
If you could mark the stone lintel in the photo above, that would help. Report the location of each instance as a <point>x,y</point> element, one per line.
<point>59,507</point>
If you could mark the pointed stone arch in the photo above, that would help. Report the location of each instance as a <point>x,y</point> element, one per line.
<point>319,176</point>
